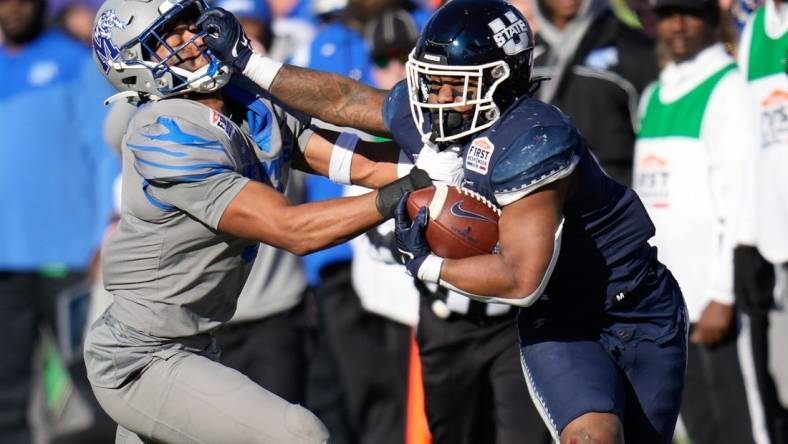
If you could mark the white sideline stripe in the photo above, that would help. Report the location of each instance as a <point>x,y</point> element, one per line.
<point>537,400</point>
<point>760,433</point>
<point>438,199</point>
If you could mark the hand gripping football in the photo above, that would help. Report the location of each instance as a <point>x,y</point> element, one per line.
<point>462,223</point>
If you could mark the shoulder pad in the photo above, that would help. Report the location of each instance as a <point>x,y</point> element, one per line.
<point>172,149</point>
<point>399,121</point>
<point>396,101</point>
<point>543,154</point>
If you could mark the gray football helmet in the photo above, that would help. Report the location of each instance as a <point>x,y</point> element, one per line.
<point>125,36</point>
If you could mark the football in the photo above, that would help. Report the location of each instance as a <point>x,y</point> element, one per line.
<point>462,223</point>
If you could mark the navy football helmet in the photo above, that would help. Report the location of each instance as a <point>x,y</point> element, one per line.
<point>488,46</point>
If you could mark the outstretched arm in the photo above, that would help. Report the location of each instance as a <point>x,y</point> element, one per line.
<point>346,159</point>
<point>329,97</point>
<point>261,213</point>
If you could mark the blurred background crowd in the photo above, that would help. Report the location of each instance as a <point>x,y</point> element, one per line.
<point>380,358</point>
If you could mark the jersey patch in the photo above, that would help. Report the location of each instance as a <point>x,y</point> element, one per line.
<point>219,121</point>
<point>479,155</point>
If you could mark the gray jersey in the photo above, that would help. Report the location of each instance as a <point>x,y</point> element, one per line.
<point>172,274</point>
<point>277,280</point>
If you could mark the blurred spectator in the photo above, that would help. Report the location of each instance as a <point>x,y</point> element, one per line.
<point>390,37</point>
<point>56,184</point>
<point>295,22</point>
<point>696,126</point>
<point>76,20</point>
<point>741,11</point>
<point>526,7</point>
<point>764,224</point>
<point>598,66</point>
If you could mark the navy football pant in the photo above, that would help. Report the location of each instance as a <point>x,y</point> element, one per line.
<point>629,360</point>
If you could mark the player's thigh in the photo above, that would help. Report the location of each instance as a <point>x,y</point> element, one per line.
<point>655,371</point>
<point>189,398</point>
<point>569,376</point>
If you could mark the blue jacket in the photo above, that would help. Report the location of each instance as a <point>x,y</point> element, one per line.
<point>56,172</point>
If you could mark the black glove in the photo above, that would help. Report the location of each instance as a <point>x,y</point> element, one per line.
<point>225,37</point>
<point>410,236</point>
<point>389,195</point>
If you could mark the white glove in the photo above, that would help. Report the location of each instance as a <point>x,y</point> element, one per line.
<point>442,166</point>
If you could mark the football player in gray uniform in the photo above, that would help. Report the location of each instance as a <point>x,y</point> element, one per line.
<point>205,159</point>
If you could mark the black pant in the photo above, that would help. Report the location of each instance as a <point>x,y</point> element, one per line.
<point>271,351</point>
<point>27,301</point>
<point>370,354</point>
<point>754,286</point>
<point>474,387</point>
<point>715,407</point>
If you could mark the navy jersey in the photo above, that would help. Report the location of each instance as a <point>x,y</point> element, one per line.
<point>604,249</point>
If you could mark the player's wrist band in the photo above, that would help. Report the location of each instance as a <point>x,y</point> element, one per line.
<point>341,158</point>
<point>430,270</point>
<point>262,70</point>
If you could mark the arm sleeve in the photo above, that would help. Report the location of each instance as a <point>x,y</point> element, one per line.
<point>730,136</point>
<point>542,155</point>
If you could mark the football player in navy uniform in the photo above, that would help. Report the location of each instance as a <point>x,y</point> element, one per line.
<point>603,323</point>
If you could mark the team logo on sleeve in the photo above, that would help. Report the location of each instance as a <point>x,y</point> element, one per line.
<point>479,154</point>
<point>221,122</point>
<point>105,48</point>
